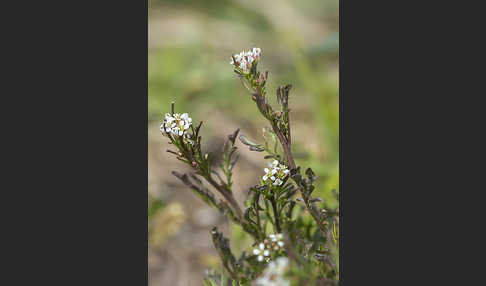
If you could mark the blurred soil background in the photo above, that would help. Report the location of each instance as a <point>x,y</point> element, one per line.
<point>190,44</point>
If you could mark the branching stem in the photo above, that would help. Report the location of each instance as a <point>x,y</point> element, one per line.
<point>313,210</point>
<point>227,195</point>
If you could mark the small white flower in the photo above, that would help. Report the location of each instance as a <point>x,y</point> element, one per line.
<point>261,252</point>
<point>245,59</point>
<point>277,172</point>
<point>276,242</point>
<point>265,177</point>
<point>256,52</point>
<point>168,118</point>
<point>176,124</point>
<point>272,243</point>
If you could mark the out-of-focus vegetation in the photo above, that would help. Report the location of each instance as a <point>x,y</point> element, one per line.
<point>190,44</point>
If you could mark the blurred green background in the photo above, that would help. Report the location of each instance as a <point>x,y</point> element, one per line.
<point>190,44</point>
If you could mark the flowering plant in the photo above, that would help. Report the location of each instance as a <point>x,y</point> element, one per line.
<point>290,247</point>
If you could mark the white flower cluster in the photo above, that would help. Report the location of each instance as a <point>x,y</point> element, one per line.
<point>177,124</point>
<point>244,60</point>
<point>276,174</point>
<point>261,251</point>
<point>273,275</point>
<point>274,242</point>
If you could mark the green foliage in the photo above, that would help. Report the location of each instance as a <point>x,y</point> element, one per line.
<point>309,229</point>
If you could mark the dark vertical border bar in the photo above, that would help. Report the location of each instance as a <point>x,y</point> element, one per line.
<point>367,245</point>
<point>401,190</point>
<point>80,215</point>
<point>85,218</point>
